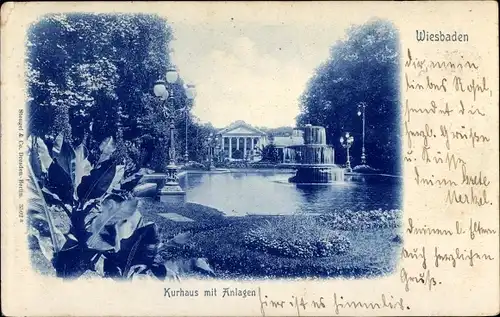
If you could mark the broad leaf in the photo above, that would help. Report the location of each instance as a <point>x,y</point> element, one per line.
<point>71,242</point>
<point>111,267</point>
<point>201,265</point>
<point>140,249</point>
<point>99,266</point>
<point>142,272</point>
<point>132,181</point>
<point>188,266</point>
<point>145,190</point>
<point>40,229</point>
<point>115,183</point>
<point>43,154</point>
<point>160,271</point>
<point>126,228</point>
<point>73,262</point>
<point>107,148</point>
<point>59,182</point>
<point>136,270</point>
<point>51,198</point>
<point>180,239</point>
<point>64,155</point>
<point>98,182</point>
<point>40,159</point>
<point>116,221</point>
<point>39,232</point>
<point>82,167</point>
<point>49,236</point>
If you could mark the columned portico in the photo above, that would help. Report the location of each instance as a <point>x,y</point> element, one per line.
<point>245,148</point>
<point>239,140</point>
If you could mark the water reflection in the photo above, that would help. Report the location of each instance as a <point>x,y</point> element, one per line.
<point>268,192</point>
<point>310,193</point>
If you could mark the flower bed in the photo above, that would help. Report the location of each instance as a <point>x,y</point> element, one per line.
<point>363,219</point>
<point>262,164</point>
<point>365,169</point>
<point>296,238</point>
<point>250,165</point>
<point>371,253</point>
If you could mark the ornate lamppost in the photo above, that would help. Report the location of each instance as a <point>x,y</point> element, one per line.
<point>170,192</point>
<point>190,94</point>
<point>210,143</point>
<point>217,149</point>
<point>346,144</point>
<point>361,112</point>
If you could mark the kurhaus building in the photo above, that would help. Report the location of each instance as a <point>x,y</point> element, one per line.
<point>241,141</point>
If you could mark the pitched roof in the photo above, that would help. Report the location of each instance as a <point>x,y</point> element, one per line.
<point>241,124</point>
<point>283,141</point>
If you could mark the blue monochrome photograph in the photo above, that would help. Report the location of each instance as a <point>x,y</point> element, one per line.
<point>231,150</point>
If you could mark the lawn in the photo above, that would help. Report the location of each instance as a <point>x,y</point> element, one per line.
<point>372,252</point>
<point>221,240</point>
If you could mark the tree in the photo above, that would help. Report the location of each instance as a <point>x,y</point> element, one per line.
<point>362,68</point>
<point>280,131</point>
<point>269,154</point>
<point>91,76</point>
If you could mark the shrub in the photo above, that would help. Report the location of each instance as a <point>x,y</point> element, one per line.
<point>261,164</point>
<point>159,156</point>
<point>362,219</point>
<point>83,216</point>
<point>191,165</point>
<point>365,169</point>
<point>269,154</point>
<point>237,154</point>
<point>296,238</point>
<point>235,164</point>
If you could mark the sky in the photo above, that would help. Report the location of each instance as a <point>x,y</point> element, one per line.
<point>250,71</point>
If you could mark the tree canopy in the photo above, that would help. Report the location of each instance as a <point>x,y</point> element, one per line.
<point>279,131</point>
<point>363,67</point>
<point>92,75</point>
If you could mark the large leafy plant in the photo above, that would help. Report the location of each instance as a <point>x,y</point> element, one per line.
<point>84,215</point>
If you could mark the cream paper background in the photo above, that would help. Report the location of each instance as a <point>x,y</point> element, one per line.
<point>464,290</point>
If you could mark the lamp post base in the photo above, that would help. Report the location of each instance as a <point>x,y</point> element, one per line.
<point>172,194</point>
<point>348,167</point>
<point>210,165</point>
<point>169,191</point>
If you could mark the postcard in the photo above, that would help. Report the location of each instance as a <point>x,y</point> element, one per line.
<point>250,158</point>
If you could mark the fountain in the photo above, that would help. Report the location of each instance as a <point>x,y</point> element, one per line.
<point>314,159</point>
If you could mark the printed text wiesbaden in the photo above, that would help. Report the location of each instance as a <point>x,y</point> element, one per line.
<point>440,36</point>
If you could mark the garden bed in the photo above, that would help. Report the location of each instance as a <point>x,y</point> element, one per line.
<point>223,241</point>
<point>373,237</point>
<point>372,252</point>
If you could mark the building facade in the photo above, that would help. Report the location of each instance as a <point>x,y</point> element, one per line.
<point>281,143</point>
<point>241,141</point>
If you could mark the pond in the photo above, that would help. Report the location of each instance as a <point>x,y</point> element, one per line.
<point>269,193</point>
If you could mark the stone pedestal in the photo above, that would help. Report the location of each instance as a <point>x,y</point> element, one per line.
<point>172,195</point>
<point>169,191</point>
<point>318,175</point>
